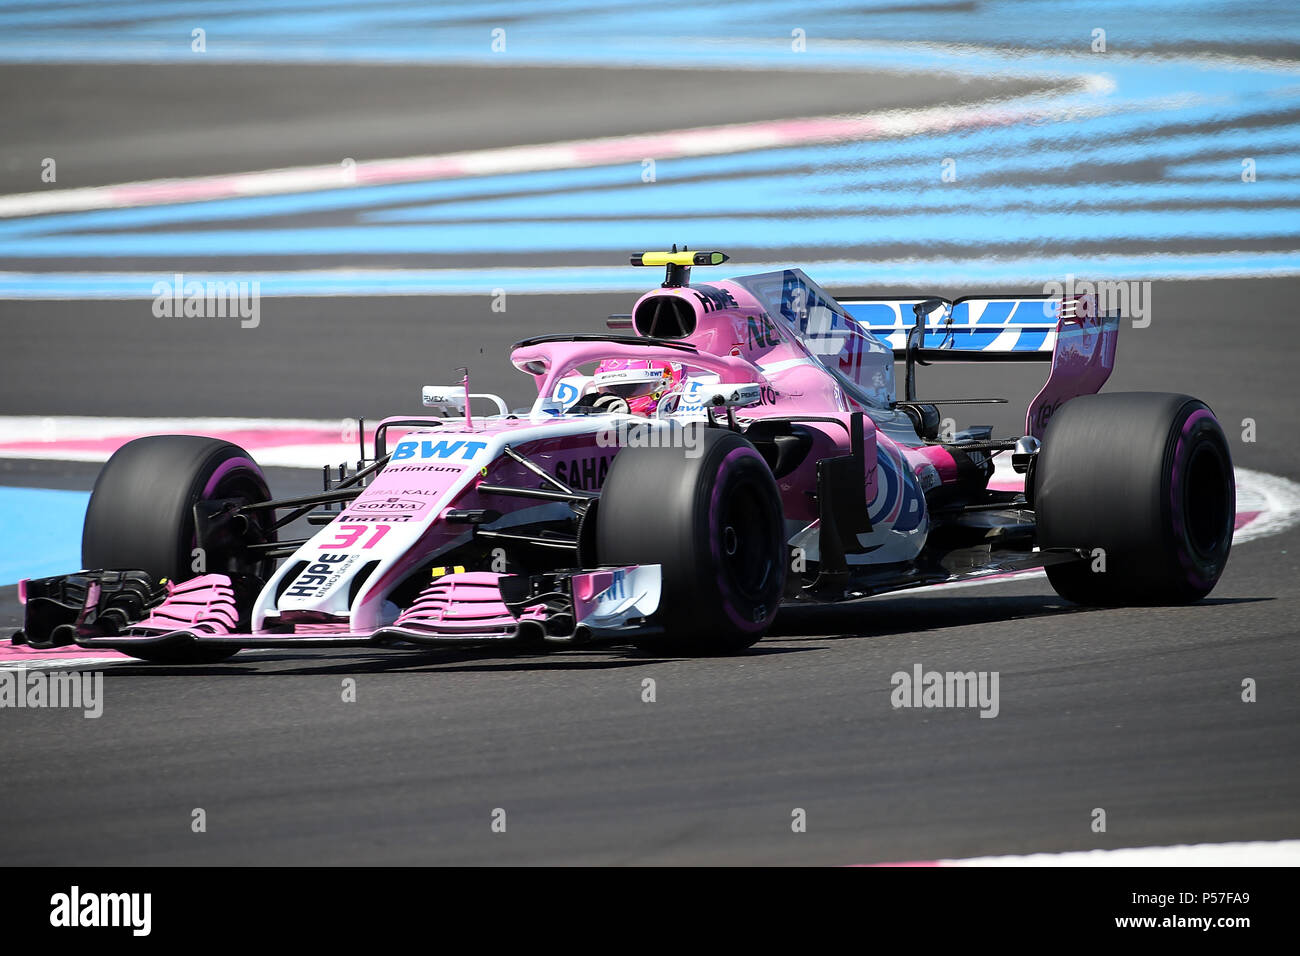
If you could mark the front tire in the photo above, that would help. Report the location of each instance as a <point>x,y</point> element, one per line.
<point>1145,477</point>
<point>713,523</point>
<point>141,516</point>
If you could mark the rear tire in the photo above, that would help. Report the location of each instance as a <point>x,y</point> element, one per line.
<point>1147,478</point>
<point>141,516</point>
<point>713,523</point>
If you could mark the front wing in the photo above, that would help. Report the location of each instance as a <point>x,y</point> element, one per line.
<point>126,610</point>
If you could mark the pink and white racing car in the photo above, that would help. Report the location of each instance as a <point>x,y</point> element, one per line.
<point>728,448</point>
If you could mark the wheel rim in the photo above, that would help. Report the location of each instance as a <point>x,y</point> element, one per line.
<point>243,486</point>
<point>1207,496</point>
<point>747,548</point>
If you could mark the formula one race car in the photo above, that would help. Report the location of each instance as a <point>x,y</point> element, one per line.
<point>728,448</point>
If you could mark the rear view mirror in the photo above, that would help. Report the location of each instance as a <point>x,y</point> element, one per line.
<point>446,398</point>
<point>451,399</point>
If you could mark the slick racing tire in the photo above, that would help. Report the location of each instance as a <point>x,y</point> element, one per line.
<point>713,523</point>
<point>1145,477</point>
<point>141,516</point>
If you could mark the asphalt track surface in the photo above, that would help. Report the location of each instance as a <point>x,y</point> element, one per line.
<point>1134,711</point>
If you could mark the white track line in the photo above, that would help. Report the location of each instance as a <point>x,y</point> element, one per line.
<point>82,663</point>
<point>573,154</point>
<point>59,428</point>
<point>1261,853</point>
<point>1278,503</point>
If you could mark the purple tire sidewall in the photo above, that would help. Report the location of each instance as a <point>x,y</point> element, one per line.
<point>225,468</point>
<point>715,545</point>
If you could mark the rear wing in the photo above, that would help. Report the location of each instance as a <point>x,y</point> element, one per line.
<point>970,329</point>
<point>1068,332</point>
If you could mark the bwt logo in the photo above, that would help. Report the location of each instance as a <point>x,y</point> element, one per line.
<point>438,449</point>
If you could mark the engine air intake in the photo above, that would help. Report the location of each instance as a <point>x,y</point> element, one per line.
<point>664,316</point>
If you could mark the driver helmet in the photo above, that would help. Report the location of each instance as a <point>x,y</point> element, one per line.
<point>634,385</point>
